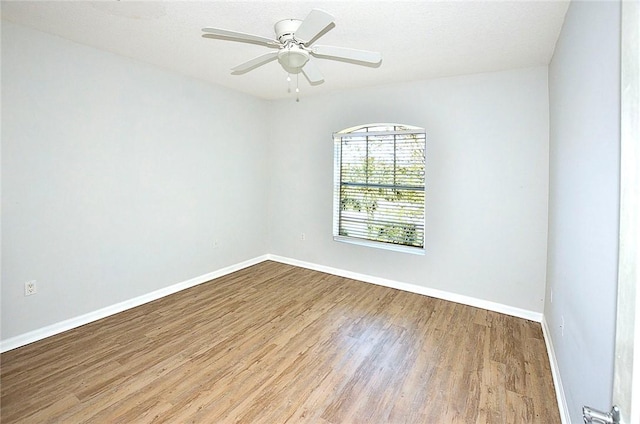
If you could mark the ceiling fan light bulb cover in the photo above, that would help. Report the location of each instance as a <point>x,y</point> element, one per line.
<point>293,58</point>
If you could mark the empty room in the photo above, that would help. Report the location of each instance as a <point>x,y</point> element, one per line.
<point>319,212</point>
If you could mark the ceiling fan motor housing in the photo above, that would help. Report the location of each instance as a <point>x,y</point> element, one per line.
<point>286,28</point>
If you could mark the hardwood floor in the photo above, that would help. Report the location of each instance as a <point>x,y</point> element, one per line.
<point>279,344</point>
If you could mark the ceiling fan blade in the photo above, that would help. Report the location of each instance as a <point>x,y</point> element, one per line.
<point>254,63</point>
<point>346,53</point>
<point>238,36</point>
<point>313,24</point>
<point>312,72</point>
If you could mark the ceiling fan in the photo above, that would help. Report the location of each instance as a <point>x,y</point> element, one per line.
<point>294,39</point>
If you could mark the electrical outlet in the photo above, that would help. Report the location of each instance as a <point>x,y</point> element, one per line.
<point>30,288</point>
<point>303,236</point>
<point>216,244</point>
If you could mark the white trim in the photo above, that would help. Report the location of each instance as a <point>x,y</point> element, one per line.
<point>51,330</point>
<point>626,369</point>
<point>565,417</point>
<point>426,291</point>
<point>59,327</point>
<point>356,130</point>
<point>341,134</point>
<point>380,245</point>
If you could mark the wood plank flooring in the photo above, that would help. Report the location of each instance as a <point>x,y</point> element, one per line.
<point>275,343</point>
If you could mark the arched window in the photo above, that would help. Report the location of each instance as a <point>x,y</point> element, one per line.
<point>379,186</point>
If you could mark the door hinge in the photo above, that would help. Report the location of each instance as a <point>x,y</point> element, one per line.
<point>594,416</point>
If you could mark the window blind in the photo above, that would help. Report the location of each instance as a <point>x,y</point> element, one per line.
<point>379,192</point>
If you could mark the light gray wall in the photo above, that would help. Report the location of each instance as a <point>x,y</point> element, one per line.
<point>487,182</point>
<point>117,179</point>
<point>584,202</point>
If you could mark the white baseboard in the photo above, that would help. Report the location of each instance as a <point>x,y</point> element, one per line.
<point>59,327</point>
<point>440,294</point>
<point>50,330</point>
<point>565,417</point>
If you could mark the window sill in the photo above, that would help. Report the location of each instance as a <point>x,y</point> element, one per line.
<point>380,245</point>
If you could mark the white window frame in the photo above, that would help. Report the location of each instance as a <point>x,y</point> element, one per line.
<point>338,183</point>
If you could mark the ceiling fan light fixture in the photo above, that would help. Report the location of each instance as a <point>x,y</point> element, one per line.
<point>293,59</point>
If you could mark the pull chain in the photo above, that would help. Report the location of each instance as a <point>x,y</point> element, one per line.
<point>297,89</point>
<point>288,83</point>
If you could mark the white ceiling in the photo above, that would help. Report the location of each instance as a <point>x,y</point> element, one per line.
<point>418,39</point>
